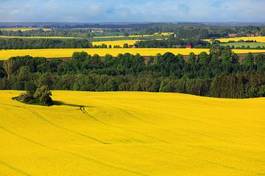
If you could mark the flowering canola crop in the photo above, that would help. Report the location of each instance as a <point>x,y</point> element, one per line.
<point>67,53</point>
<point>130,134</point>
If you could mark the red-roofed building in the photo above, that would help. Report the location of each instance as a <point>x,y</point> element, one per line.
<point>189,45</point>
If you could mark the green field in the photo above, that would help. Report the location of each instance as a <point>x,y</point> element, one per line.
<point>36,37</point>
<point>23,29</point>
<point>155,36</point>
<point>245,44</point>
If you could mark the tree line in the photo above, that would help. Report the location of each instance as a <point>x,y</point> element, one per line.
<point>173,42</point>
<point>40,43</point>
<point>221,73</point>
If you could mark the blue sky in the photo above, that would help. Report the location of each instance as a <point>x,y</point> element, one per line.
<point>132,10</point>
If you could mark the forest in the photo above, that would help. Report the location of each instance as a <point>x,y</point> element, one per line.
<point>218,74</point>
<point>41,43</point>
<point>173,42</point>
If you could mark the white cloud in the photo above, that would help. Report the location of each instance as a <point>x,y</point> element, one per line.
<point>132,10</point>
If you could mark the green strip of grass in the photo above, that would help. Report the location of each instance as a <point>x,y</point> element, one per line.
<point>252,45</point>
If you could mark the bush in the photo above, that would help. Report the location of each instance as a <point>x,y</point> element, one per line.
<point>42,96</point>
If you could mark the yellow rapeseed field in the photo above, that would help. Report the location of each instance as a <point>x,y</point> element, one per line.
<point>132,134</point>
<point>67,53</point>
<point>236,39</point>
<point>119,43</point>
<point>64,53</point>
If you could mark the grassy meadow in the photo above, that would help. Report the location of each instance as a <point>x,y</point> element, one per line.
<point>244,44</point>
<point>163,34</point>
<point>155,36</point>
<point>132,133</point>
<point>121,36</point>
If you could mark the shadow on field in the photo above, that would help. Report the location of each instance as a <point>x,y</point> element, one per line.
<point>60,103</point>
<point>82,108</point>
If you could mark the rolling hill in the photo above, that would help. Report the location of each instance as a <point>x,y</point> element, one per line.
<point>130,134</point>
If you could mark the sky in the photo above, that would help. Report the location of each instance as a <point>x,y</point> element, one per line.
<point>132,11</point>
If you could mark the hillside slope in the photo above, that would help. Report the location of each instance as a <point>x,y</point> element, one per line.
<point>130,134</point>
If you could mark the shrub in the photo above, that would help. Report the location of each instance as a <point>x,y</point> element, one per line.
<point>42,96</point>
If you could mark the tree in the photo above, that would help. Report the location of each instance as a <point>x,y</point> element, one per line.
<point>2,72</point>
<point>192,59</point>
<point>167,86</point>
<point>125,45</point>
<point>229,86</point>
<point>30,87</point>
<point>43,95</point>
<point>260,62</point>
<point>204,58</point>
<point>249,60</point>
<point>80,55</point>
<point>23,73</point>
